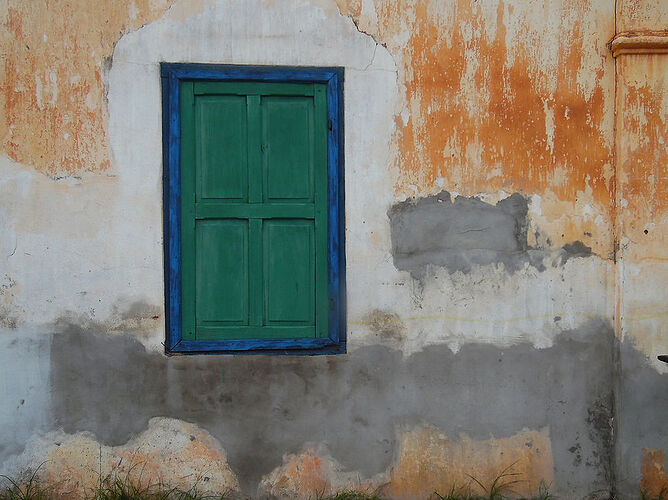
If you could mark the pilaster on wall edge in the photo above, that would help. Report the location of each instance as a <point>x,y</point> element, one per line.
<point>639,42</point>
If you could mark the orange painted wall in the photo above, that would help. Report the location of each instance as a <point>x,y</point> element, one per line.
<point>55,54</point>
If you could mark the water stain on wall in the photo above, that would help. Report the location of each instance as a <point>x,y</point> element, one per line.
<point>386,324</point>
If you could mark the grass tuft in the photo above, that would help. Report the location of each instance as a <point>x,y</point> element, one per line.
<point>133,486</point>
<point>115,487</point>
<point>502,488</point>
<point>111,488</point>
<point>502,484</point>
<point>543,493</point>
<point>122,488</point>
<point>456,493</point>
<point>25,490</point>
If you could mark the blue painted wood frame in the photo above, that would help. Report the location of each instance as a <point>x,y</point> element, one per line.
<point>171,76</point>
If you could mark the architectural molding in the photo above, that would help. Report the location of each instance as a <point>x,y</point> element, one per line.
<point>639,42</point>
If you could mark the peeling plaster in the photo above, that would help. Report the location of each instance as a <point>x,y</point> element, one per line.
<point>178,454</point>
<point>481,99</point>
<point>476,82</point>
<point>426,462</point>
<point>429,461</point>
<point>52,80</point>
<point>654,478</point>
<point>262,407</point>
<point>510,38</point>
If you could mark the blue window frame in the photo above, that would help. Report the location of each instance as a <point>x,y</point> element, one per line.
<point>172,77</point>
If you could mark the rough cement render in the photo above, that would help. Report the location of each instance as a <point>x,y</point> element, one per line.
<point>9,316</point>
<point>262,407</point>
<point>642,422</point>
<point>465,232</point>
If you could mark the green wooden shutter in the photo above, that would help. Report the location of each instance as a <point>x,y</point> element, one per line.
<point>253,210</point>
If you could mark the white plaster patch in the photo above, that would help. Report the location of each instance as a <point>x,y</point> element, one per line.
<point>549,124</point>
<point>53,78</point>
<point>38,92</point>
<point>487,305</point>
<point>253,32</point>
<point>643,309</point>
<point>80,244</point>
<point>132,10</point>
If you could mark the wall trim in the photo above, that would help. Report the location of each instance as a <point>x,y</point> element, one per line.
<point>639,42</point>
<point>172,76</point>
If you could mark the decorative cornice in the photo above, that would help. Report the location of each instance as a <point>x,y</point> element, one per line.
<point>639,42</point>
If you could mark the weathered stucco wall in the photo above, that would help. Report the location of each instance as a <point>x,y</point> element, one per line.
<point>505,227</point>
<point>505,95</point>
<point>642,170</point>
<point>55,55</point>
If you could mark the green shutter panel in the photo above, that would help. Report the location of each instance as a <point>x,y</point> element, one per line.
<point>253,210</point>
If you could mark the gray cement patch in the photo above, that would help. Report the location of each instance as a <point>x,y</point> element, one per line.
<point>261,407</point>
<point>435,231</point>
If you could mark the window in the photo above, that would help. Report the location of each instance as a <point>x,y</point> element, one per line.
<point>253,197</point>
